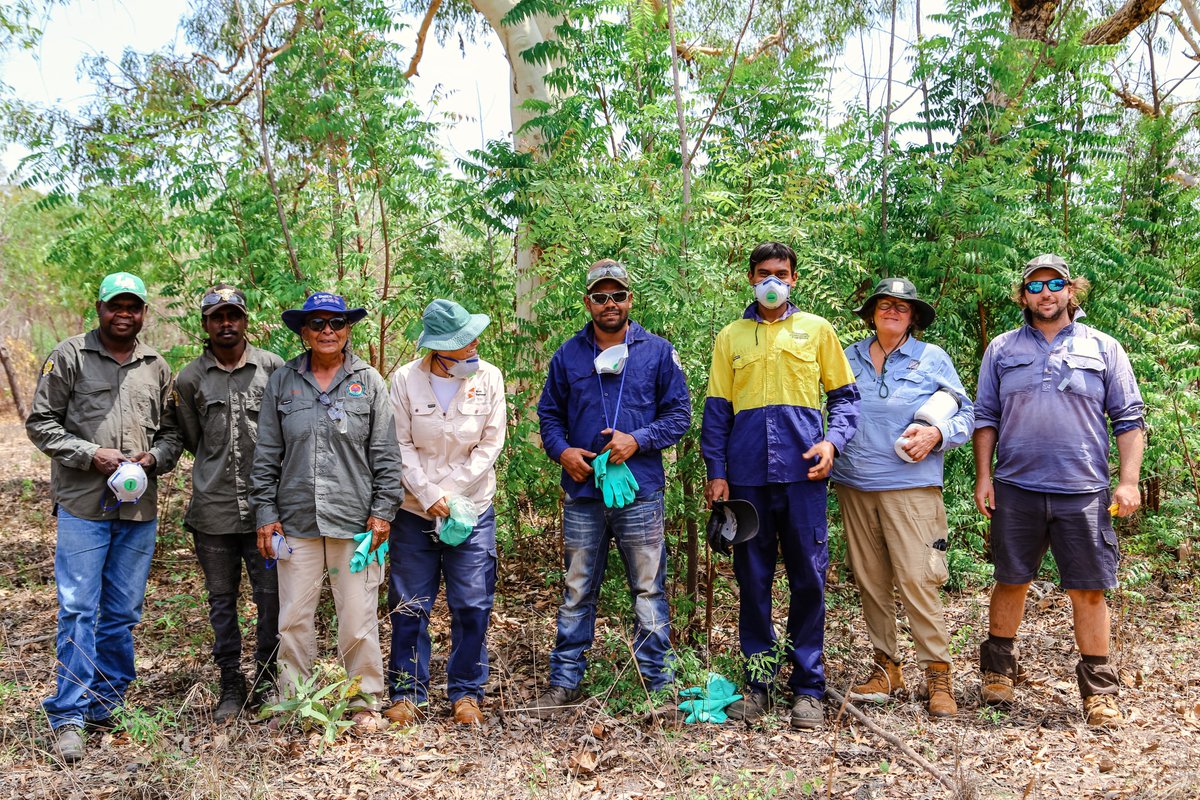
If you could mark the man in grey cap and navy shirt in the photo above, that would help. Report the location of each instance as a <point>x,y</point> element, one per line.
<point>216,403</point>
<point>1047,393</point>
<point>99,403</point>
<point>614,399</point>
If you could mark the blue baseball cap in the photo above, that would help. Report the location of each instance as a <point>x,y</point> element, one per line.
<point>321,301</point>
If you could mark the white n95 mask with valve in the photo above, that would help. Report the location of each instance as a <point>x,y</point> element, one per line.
<point>128,482</point>
<point>612,360</point>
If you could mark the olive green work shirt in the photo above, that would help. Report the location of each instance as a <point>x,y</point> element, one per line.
<point>86,400</point>
<point>320,476</point>
<point>216,410</point>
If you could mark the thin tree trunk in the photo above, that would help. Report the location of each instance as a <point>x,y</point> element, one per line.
<point>924,83</point>
<point>680,119</point>
<point>887,141</point>
<point>13,386</point>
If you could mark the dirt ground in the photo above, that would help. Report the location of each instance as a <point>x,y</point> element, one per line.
<point>172,750</point>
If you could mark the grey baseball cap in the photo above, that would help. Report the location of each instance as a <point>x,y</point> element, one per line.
<point>1046,261</point>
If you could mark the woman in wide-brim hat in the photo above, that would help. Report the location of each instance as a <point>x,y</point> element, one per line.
<point>450,423</point>
<point>889,486</point>
<point>327,468</point>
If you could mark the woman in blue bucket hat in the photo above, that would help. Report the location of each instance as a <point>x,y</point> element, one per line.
<point>450,418</point>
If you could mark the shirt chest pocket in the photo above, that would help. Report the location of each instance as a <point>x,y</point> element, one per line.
<point>1083,375</point>
<point>215,420</point>
<point>472,416</point>
<point>91,403</point>
<point>147,406</point>
<point>1017,373</point>
<point>747,381</point>
<point>799,362</point>
<point>295,420</point>
<point>910,385</point>
<point>358,419</point>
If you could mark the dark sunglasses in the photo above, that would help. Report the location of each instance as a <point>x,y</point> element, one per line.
<point>224,296</point>
<point>1054,284</point>
<point>317,324</point>
<point>602,298</point>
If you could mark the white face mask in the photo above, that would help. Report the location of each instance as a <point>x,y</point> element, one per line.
<point>612,360</point>
<point>458,369</point>
<point>771,292</point>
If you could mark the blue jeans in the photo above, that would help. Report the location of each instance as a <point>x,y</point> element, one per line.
<point>418,566</point>
<point>588,526</point>
<point>101,567</point>
<point>791,518</point>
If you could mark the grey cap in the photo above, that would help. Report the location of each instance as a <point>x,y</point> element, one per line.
<point>1046,261</point>
<point>607,270</point>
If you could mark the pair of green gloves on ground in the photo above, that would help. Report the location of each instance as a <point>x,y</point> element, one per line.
<point>708,703</point>
<point>615,482</point>
<point>364,555</point>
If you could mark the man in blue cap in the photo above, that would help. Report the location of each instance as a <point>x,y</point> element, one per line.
<point>99,403</point>
<point>615,398</point>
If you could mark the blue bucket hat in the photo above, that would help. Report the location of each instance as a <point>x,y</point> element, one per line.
<point>321,301</point>
<point>448,326</point>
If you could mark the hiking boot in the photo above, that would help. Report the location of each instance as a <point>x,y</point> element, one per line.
<point>555,700</point>
<point>466,711</point>
<point>263,691</point>
<point>886,681</point>
<point>404,712</point>
<point>233,695</point>
<point>754,704</point>
<point>807,712</point>
<point>68,744</point>
<point>997,689</point>
<point>1102,711</point>
<point>939,690</point>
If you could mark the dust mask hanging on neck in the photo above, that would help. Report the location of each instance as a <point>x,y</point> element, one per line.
<point>612,361</point>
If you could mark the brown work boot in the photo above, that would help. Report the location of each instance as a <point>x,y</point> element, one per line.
<point>1102,711</point>
<point>939,690</point>
<point>404,712</point>
<point>886,681</point>
<point>466,711</point>
<point>997,689</point>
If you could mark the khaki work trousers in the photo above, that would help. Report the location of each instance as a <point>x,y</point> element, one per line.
<point>356,602</point>
<point>889,544</point>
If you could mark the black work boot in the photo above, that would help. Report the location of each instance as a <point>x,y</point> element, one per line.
<point>263,691</point>
<point>233,695</point>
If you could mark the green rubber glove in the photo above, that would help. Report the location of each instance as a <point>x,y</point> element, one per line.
<point>453,532</point>
<point>709,702</point>
<point>600,469</point>
<point>624,486</point>
<point>379,553</point>
<point>362,553</point>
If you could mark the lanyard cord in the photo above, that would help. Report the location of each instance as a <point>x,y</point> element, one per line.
<point>620,389</point>
<point>884,391</point>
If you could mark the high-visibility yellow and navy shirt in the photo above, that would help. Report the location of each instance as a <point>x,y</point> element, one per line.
<point>764,398</point>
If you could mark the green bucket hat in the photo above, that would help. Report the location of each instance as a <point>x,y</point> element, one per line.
<point>121,283</point>
<point>901,289</point>
<point>448,326</point>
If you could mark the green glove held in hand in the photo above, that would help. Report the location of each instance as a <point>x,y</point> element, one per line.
<point>362,554</point>
<point>620,483</point>
<point>600,469</point>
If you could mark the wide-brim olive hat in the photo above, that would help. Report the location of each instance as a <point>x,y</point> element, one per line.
<point>900,289</point>
<point>448,326</point>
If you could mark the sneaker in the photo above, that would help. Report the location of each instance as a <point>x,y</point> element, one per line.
<point>466,711</point>
<point>807,712</point>
<point>68,744</point>
<point>939,690</point>
<point>1102,711</point>
<point>555,700</point>
<point>886,681</point>
<point>233,695</point>
<point>404,712</point>
<point>754,704</point>
<point>997,689</point>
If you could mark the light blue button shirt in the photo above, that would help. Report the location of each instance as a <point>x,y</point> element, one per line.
<point>913,373</point>
<point>1051,402</point>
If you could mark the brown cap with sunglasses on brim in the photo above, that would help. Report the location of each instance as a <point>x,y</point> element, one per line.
<point>222,296</point>
<point>1046,261</point>
<point>607,269</point>
<point>321,301</point>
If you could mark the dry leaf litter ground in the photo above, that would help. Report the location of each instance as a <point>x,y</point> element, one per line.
<point>1039,750</point>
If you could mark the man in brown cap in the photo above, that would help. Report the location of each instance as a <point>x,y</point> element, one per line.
<point>216,403</point>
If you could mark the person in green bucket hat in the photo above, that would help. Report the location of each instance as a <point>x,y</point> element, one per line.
<point>450,423</point>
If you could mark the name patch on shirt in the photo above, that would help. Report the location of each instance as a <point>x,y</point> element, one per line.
<point>355,390</point>
<point>800,336</point>
<point>914,364</point>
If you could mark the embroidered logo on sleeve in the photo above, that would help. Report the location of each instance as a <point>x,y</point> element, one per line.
<point>48,367</point>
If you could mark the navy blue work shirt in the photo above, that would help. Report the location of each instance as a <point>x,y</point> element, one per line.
<point>655,406</point>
